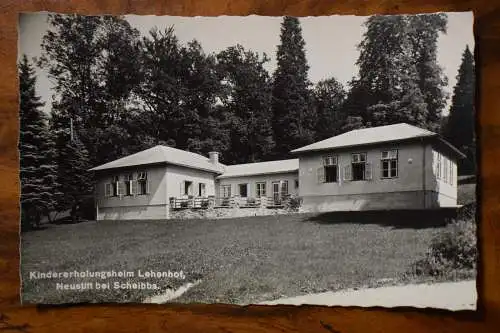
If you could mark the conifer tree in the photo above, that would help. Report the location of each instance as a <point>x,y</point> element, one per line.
<point>73,164</point>
<point>461,120</point>
<point>293,116</point>
<point>37,169</point>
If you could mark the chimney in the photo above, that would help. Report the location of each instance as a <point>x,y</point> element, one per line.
<point>214,157</point>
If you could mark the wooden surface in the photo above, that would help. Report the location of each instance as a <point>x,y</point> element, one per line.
<point>223,318</point>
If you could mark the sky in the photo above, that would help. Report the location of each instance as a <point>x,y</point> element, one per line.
<point>331,41</point>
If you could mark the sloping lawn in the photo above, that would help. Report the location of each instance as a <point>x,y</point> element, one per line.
<point>241,261</point>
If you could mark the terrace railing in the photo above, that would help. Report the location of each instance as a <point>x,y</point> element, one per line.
<point>195,202</point>
<point>229,202</point>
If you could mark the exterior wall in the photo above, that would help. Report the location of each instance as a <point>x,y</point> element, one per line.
<point>409,177</point>
<point>164,182</point>
<point>252,181</point>
<point>361,201</point>
<point>415,187</point>
<point>147,206</point>
<point>176,175</point>
<point>446,190</point>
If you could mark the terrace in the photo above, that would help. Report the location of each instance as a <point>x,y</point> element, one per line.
<point>193,202</point>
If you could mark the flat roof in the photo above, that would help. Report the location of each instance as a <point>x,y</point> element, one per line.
<point>259,168</point>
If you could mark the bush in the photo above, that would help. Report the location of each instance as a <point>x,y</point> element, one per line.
<point>294,203</point>
<point>453,253</point>
<point>204,204</point>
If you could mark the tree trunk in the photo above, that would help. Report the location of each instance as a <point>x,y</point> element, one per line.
<point>37,219</point>
<point>73,213</point>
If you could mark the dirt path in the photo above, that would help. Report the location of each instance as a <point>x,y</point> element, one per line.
<point>449,295</point>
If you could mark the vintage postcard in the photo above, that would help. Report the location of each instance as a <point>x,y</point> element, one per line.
<point>248,160</point>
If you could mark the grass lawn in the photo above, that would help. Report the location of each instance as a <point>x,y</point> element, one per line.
<point>240,261</point>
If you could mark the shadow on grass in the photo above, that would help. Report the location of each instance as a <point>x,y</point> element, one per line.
<point>396,219</point>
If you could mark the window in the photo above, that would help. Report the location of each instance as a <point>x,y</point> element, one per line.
<point>438,166</point>
<point>129,179</point>
<point>331,169</point>
<point>226,191</point>
<point>116,186</point>
<point>201,189</point>
<point>358,165</point>
<point>108,190</point>
<point>187,188</point>
<point>142,183</point>
<point>445,170</point>
<point>451,172</point>
<point>260,190</point>
<point>389,164</point>
<point>243,190</point>
<point>296,183</point>
<point>284,188</point>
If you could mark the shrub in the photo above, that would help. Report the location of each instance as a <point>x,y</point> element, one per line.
<point>204,204</point>
<point>294,203</point>
<point>452,253</point>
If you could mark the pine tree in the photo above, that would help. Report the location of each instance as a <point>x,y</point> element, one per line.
<point>329,96</point>
<point>293,116</point>
<point>460,126</point>
<point>248,103</point>
<point>73,163</point>
<point>424,31</point>
<point>37,170</point>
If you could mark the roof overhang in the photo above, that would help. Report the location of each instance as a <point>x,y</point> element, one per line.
<point>445,144</point>
<point>371,144</point>
<point>135,166</point>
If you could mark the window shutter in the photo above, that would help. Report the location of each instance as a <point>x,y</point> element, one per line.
<point>107,190</point>
<point>121,189</point>
<point>147,186</point>
<point>347,172</point>
<point>368,171</point>
<point>133,187</point>
<point>320,172</point>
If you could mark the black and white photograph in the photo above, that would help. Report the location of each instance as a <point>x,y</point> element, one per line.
<point>325,160</point>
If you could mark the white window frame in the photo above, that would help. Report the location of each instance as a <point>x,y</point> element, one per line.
<point>260,189</point>
<point>240,187</point>
<point>202,189</point>
<point>360,158</point>
<point>129,178</point>
<point>330,161</point>
<point>284,190</point>
<point>226,191</point>
<point>108,190</point>
<point>446,172</point>
<point>142,178</point>
<point>116,186</point>
<point>438,165</point>
<point>387,156</point>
